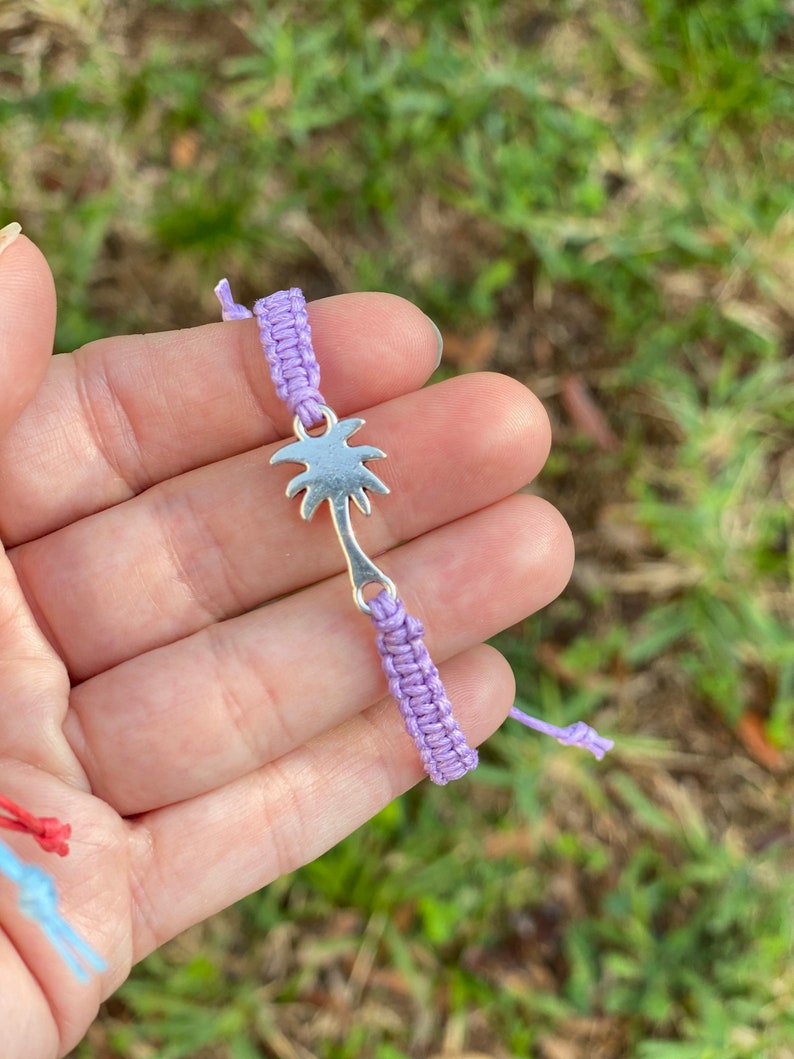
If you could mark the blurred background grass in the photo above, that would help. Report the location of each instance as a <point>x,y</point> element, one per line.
<point>593,197</point>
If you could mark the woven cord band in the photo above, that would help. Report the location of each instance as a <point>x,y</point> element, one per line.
<point>286,338</point>
<point>415,684</point>
<point>287,341</point>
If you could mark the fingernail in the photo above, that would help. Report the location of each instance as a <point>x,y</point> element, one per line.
<point>439,341</point>
<point>9,234</point>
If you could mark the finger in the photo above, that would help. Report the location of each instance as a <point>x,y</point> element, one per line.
<point>34,687</point>
<point>237,839</point>
<point>124,413</point>
<point>222,539</point>
<point>194,715</point>
<point>27,325</point>
<point>23,1005</point>
<point>30,713</point>
<point>93,899</point>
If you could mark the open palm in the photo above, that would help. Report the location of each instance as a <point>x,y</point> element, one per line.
<point>164,687</point>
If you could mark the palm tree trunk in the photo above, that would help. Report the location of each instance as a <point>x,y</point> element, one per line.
<point>362,570</point>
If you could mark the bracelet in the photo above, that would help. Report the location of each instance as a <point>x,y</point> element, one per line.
<point>38,895</point>
<point>335,472</point>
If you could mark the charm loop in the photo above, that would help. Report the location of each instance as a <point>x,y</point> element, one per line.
<point>328,414</point>
<point>386,584</point>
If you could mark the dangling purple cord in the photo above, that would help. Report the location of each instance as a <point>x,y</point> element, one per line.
<point>230,309</point>
<point>576,734</point>
<point>413,678</point>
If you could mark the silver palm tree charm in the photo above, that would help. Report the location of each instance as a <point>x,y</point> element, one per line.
<point>335,472</point>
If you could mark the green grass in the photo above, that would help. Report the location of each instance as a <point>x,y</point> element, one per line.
<point>609,184</point>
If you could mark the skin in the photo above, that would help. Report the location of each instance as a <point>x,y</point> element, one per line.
<point>203,729</point>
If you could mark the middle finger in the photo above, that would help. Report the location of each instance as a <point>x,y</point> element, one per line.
<point>222,539</point>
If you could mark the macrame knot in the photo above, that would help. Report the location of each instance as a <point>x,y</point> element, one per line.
<point>415,684</point>
<point>287,341</point>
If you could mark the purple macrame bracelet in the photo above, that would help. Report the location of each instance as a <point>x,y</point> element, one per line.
<point>335,472</point>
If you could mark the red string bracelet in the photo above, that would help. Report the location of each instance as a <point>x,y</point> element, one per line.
<point>50,833</point>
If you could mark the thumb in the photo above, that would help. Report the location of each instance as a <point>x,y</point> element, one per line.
<point>27,322</point>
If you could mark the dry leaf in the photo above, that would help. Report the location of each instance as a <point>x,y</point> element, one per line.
<point>462,1055</point>
<point>617,524</point>
<point>542,351</point>
<point>471,352</point>
<point>585,414</point>
<point>557,1048</point>
<point>750,731</point>
<point>502,843</point>
<point>184,149</point>
<point>754,318</point>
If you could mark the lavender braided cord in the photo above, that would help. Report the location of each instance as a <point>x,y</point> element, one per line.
<point>576,734</point>
<point>415,684</point>
<point>287,341</point>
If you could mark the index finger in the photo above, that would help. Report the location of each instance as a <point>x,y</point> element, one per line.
<point>122,414</point>
<point>27,322</point>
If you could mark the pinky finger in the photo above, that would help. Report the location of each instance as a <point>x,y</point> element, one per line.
<point>199,856</point>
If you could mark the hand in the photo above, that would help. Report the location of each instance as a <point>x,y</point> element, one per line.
<point>202,725</point>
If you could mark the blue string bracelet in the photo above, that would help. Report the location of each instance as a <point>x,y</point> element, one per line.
<point>38,894</point>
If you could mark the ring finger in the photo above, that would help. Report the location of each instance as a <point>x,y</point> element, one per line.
<point>222,702</point>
